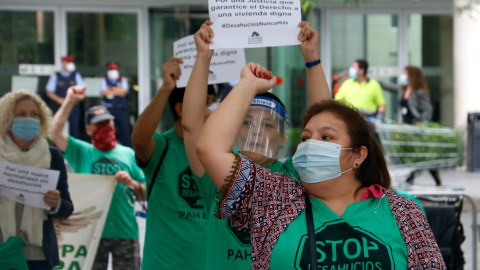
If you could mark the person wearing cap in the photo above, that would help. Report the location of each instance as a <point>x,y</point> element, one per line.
<point>114,89</point>
<point>56,90</point>
<point>263,137</point>
<point>105,156</point>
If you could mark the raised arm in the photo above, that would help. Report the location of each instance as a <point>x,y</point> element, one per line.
<point>194,101</point>
<point>75,94</point>
<point>147,122</point>
<point>317,86</point>
<point>221,129</point>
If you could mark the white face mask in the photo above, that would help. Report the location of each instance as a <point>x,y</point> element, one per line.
<point>318,161</point>
<point>113,74</point>
<point>352,73</point>
<point>71,67</point>
<point>403,79</point>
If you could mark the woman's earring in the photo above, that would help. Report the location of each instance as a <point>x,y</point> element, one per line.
<point>357,164</point>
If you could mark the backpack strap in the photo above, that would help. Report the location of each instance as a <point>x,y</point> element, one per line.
<point>155,174</point>
<point>311,234</point>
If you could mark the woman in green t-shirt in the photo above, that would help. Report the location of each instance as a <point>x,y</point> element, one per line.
<point>351,218</point>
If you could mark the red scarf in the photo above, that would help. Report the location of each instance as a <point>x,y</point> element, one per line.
<point>103,138</point>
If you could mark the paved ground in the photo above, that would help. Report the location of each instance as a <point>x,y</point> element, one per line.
<point>452,181</point>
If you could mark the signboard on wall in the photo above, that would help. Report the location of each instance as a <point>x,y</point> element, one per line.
<point>36,69</point>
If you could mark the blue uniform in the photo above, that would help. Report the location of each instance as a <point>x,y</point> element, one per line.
<point>59,83</point>
<point>118,107</point>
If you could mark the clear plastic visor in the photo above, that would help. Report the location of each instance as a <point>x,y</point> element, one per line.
<point>264,132</point>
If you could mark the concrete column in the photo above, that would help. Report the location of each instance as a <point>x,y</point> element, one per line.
<point>466,55</point>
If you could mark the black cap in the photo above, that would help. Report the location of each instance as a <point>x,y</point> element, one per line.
<point>97,114</point>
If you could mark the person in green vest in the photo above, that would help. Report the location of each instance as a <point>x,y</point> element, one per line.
<point>341,215</point>
<point>176,225</point>
<point>105,156</point>
<point>228,247</point>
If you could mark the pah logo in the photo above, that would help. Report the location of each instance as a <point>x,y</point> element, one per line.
<point>244,238</point>
<point>255,38</point>
<point>341,246</point>
<point>212,76</point>
<point>189,190</point>
<point>106,166</point>
<point>20,198</point>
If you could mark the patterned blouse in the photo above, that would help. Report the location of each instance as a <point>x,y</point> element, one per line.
<point>265,203</point>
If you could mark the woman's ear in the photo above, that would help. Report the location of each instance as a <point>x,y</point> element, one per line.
<point>360,155</point>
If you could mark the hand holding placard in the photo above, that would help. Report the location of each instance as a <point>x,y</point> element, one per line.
<point>254,23</point>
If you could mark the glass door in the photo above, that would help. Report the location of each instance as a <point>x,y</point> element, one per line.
<point>26,50</point>
<point>97,38</point>
<point>430,43</point>
<point>373,37</point>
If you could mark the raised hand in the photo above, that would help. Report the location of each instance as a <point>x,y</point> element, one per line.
<point>261,79</point>
<point>171,72</point>
<point>203,37</point>
<point>309,38</point>
<point>76,93</point>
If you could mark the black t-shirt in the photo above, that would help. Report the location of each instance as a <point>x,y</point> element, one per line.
<point>406,113</point>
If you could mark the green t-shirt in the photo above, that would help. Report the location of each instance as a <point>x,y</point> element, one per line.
<point>85,158</point>
<point>227,247</point>
<point>367,95</point>
<point>176,226</point>
<point>366,236</point>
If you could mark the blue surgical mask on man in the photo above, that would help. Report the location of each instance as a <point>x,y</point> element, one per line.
<point>318,161</point>
<point>352,73</point>
<point>25,128</point>
<point>403,79</point>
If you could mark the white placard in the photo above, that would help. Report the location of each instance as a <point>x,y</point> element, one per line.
<point>78,235</point>
<point>26,184</point>
<point>254,23</point>
<point>225,66</point>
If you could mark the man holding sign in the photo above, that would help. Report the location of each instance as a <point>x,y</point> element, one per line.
<point>105,156</point>
<point>33,184</point>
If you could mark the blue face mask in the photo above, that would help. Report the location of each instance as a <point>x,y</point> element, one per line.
<point>352,73</point>
<point>25,128</point>
<point>317,161</point>
<point>403,80</point>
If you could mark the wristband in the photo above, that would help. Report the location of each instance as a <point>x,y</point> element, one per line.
<point>312,64</point>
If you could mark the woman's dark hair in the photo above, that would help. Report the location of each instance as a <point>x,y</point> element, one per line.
<point>374,168</point>
<point>416,80</point>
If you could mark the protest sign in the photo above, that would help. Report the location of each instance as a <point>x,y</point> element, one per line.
<point>78,236</point>
<point>25,184</point>
<point>254,23</point>
<point>225,66</point>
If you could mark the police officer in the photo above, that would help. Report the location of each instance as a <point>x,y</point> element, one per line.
<point>114,89</point>
<point>57,86</point>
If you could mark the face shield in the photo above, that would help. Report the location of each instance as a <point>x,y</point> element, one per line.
<point>265,129</point>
